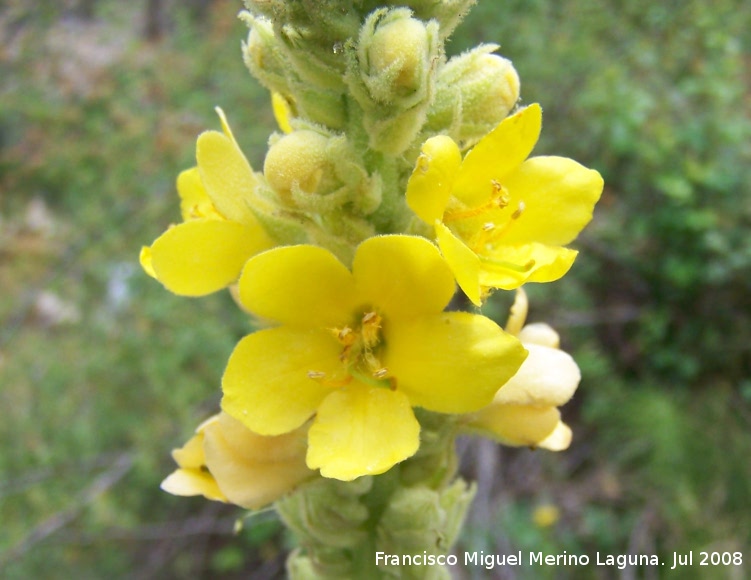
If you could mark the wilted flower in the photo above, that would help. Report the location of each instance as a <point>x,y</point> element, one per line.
<point>525,410</point>
<point>225,461</point>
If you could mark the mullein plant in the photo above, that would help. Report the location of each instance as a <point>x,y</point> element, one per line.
<point>398,178</point>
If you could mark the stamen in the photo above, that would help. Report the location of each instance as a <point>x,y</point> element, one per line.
<point>491,232</point>
<point>499,198</point>
<point>320,377</point>
<point>368,316</point>
<point>519,211</point>
<point>371,324</point>
<point>372,361</point>
<point>452,216</point>
<point>423,162</point>
<point>344,335</point>
<point>500,194</point>
<point>381,373</point>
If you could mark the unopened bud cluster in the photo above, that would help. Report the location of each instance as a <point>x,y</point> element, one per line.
<point>362,86</point>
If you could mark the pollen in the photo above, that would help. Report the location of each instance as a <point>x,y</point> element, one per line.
<point>371,326</point>
<point>345,335</point>
<point>519,211</point>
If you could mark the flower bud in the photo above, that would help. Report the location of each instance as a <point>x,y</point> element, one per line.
<point>298,163</point>
<point>475,91</point>
<point>397,56</point>
<point>391,76</point>
<point>263,56</point>
<point>420,519</point>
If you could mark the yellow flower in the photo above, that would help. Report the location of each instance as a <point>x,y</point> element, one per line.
<point>358,350</point>
<point>524,412</point>
<point>501,219</point>
<point>208,250</point>
<point>225,461</point>
<point>546,515</point>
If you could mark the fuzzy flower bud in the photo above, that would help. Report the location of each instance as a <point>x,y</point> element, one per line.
<point>263,56</point>
<point>475,91</point>
<point>397,56</point>
<point>298,163</point>
<point>391,75</point>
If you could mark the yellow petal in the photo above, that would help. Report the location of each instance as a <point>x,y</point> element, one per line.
<point>362,430</point>
<point>548,377</point>
<point>496,155</point>
<point>551,263</point>
<point>300,286</point>
<point>429,186</point>
<point>225,124</point>
<point>252,470</point>
<point>559,196</point>
<point>518,425</point>
<point>266,384</point>
<point>453,362</point>
<point>463,262</point>
<point>227,176</point>
<point>194,201</point>
<point>405,276</point>
<point>188,482</point>
<point>282,112</point>
<point>145,258</point>
<point>508,267</point>
<point>199,257</point>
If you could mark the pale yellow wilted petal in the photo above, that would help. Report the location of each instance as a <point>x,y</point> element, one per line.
<point>539,333</point>
<point>548,377</point>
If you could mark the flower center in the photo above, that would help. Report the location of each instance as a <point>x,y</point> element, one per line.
<point>482,238</point>
<point>499,199</point>
<point>360,349</point>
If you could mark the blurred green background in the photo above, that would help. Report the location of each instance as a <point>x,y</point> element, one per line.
<point>102,371</point>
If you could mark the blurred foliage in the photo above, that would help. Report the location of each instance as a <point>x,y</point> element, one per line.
<point>103,371</point>
<point>657,309</point>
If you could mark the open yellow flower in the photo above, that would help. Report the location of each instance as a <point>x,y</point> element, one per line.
<point>525,410</point>
<point>224,461</point>
<point>358,350</point>
<point>501,219</point>
<point>208,250</point>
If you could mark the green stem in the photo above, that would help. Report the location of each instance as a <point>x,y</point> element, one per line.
<point>415,507</point>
